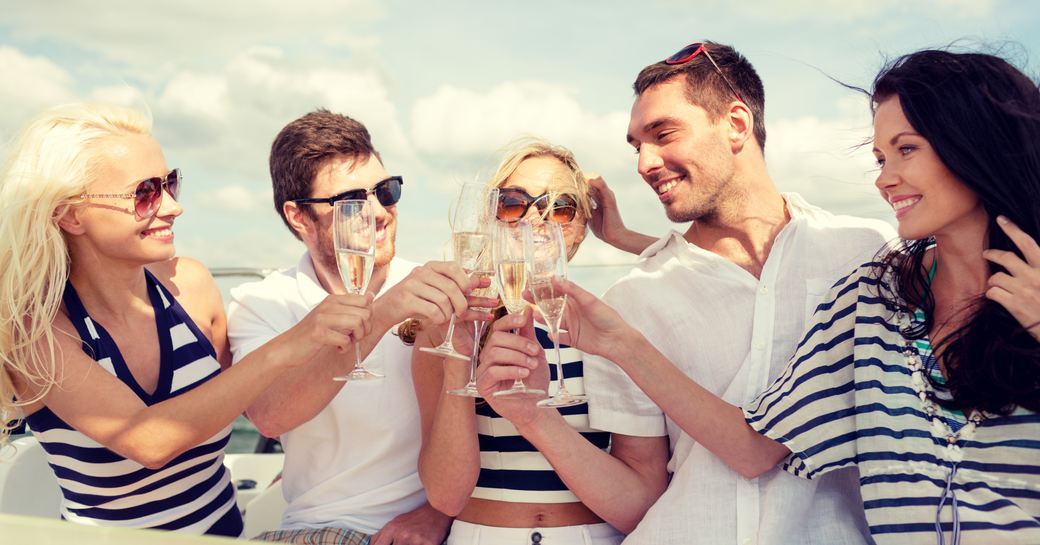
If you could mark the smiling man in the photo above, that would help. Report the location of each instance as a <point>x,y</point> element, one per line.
<point>720,307</point>
<point>351,449</point>
<point>725,302</point>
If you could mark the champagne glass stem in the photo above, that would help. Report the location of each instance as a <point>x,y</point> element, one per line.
<point>477,330</point>
<point>451,332</point>
<point>517,383</point>
<point>561,389</point>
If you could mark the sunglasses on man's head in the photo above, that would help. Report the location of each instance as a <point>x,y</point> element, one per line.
<point>689,52</point>
<point>387,192</point>
<point>147,195</point>
<point>513,204</point>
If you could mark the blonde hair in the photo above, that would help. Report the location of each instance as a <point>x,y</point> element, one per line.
<point>49,166</point>
<point>526,148</point>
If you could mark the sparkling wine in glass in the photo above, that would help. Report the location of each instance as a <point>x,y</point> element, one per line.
<point>354,238</point>
<point>508,250</point>
<point>485,269</point>
<point>546,252</point>
<point>469,220</point>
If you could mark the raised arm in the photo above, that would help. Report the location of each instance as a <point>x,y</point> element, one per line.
<point>596,328</point>
<point>432,293</point>
<point>606,221</point>
<point>103,408</point>
<point>449,461</point>
<point>620,486</point>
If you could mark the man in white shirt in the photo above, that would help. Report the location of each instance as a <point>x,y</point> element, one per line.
<point>720,307</point>
<point>351,448</point>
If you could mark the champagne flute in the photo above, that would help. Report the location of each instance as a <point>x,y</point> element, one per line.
<point>547,262</point>
<point>485,269</point>
<point>354,237</point>
<point>508,252</point>
<point>469,220</point>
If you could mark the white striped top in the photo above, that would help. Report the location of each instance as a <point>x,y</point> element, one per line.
<point>193,492</point>
<point>511,468</point>
<point>846,400</point>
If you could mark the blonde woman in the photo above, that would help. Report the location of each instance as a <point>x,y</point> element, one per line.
<point>474,464</point>
<point>111,348</point>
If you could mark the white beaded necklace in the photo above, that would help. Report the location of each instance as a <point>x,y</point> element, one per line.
<point>922,386</point>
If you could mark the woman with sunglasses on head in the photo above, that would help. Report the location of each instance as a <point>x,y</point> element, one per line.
<point>111,348</point>
<point>920,370</point>
<point>473,463</point>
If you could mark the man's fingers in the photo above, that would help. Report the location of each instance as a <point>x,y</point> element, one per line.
<point>452,272</point>
<point>507,356</point>
<point>491,376</point>
<point>509,322</point>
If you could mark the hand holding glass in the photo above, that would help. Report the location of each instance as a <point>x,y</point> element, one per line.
<point>469,219</point>
<point>546,252</point>
<point>354,237</point>
<point>508,251</point>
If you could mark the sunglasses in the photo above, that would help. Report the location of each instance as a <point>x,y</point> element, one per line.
<point>513,204</point>
<point>147,195</point>
<point>688,53</point>
<point>387,192</point>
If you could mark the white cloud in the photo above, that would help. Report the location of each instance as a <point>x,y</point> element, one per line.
<point>841,11</point>
<point>238,198</point>
<point>193,94</point>
<point>825,161</point>
<point>226,118</point>
<point>459,122</point>
<point>156,40</point>
<point>29,85</point>
<point>124,95</point>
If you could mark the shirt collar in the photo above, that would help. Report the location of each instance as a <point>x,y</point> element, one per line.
<point>311,290</point>
<point>796,206</point>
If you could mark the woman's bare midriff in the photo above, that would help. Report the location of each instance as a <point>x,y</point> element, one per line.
<point>526,515</point>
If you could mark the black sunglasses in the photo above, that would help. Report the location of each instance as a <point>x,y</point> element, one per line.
<point>513,204</point>
<point>147,195</point>
<point>688,53</point>
<point>387,192</point>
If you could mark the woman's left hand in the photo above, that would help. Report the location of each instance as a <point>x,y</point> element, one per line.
<point>1017,290</point>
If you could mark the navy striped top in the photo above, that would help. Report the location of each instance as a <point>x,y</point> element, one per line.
<point>511,468</point>
<point>192,493</point>
<point>846,399</point>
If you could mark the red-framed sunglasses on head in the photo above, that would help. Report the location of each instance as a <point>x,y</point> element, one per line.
<point>689,52</point>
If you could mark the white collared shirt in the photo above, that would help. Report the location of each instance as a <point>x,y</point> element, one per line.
<point>355,464</point>
<point>733,334</point>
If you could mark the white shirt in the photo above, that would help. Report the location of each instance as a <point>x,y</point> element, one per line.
<point>355,464</point>
<point>733,334</point>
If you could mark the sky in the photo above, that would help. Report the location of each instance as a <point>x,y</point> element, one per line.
<point>444,86</point>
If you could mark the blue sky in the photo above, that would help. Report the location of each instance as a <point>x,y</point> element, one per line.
<point>444,85</point>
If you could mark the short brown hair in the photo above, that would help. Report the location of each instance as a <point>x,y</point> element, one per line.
<point>303,146</point>
<point>705,88</point>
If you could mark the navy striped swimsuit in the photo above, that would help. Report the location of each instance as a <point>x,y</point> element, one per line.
<point>193,492</point>
<point>511,468</point>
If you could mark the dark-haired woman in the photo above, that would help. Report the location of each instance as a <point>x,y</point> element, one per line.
<point>922,370</point>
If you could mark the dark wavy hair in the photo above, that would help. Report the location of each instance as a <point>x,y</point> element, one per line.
<point>982,117</point>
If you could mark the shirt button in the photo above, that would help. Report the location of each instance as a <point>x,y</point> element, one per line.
<point>746,541</point>
<point>759,346</point>
<point>763,290</point>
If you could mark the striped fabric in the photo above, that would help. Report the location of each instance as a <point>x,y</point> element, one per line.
<point>192,493</point>
<point>846,399</point>
<point>511,469</point>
